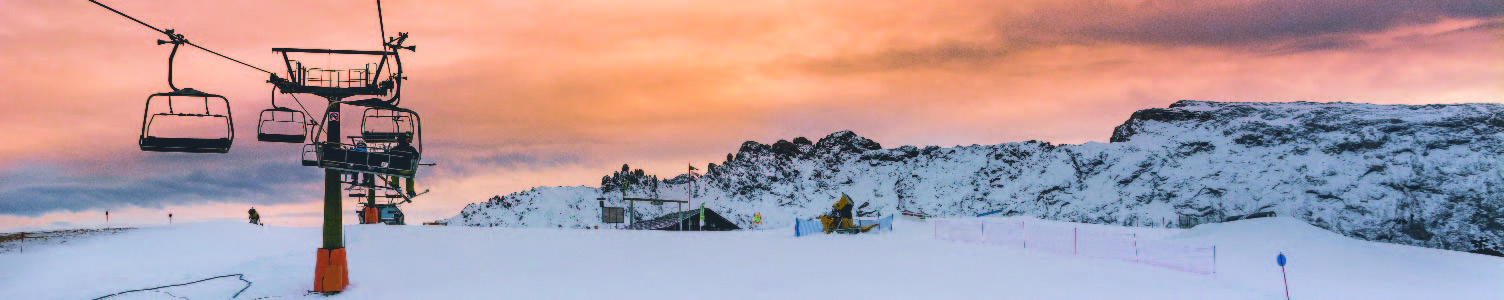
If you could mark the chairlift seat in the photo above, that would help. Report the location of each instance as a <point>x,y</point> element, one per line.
<point>381,137</point>
<point>379,159</point>
<point>281,138</point>
<point>185,145</point>
<point>347,158</point>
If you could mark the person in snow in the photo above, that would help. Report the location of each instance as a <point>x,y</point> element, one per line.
<point>255,217</point>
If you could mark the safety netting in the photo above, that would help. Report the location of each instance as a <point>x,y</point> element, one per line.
<point>1081,242</point>
<point>1100,244</point>
<point>1200,260</point>
<point>1003,234</point>
<point>959,231</point>
<point>1050,238</point>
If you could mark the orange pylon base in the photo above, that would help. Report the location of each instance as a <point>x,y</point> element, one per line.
<point>368,216</point>
<point>331,274</point>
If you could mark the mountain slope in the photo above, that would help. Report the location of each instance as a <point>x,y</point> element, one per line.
<point>1420,175</point>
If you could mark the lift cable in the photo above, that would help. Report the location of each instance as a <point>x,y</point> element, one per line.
<point>178,37</point>
<point>306,116</point>
<point>381,21</point>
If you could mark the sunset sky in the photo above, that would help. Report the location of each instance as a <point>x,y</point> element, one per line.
<point>518,94</point>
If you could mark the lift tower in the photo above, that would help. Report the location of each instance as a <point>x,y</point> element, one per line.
<point>331,272</point>
<point>335,157</point>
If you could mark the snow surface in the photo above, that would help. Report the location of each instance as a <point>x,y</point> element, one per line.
<point>425,262</point>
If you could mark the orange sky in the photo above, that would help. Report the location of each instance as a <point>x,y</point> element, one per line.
<point>518,94</point>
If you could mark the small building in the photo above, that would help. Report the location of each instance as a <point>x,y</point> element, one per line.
<point>688,220</point>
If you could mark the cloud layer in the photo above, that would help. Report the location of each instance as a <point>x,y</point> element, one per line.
<point>521,93</point>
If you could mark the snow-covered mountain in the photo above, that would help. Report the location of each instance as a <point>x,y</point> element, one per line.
<point>1424,175</point>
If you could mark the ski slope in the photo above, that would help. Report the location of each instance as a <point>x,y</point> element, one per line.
<point>421,262</point>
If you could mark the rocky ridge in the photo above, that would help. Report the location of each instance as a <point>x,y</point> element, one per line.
<point>1424,175</point>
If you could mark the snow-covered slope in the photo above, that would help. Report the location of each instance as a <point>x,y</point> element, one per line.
<point>434,262</point>
<point>1422,175</point>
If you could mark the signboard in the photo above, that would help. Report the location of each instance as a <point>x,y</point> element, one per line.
<point>613,215</point>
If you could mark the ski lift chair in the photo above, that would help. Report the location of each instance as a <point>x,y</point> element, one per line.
<point>275,122</point>
<point>378,125</point>
<point>371,160</point>
<point>153,143</point>
<point>310,155</point>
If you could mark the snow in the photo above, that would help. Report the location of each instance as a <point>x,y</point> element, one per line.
<point>427,262</point>
<point>1324,265</point>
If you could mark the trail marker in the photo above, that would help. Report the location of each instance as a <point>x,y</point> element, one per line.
<point>1281,260</point>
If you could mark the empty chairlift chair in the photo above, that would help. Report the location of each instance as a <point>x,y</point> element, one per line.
<point>150,140</point>
<point>378,125</point>
<point>282,125</point>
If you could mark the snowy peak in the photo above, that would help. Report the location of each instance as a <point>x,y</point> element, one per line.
<point>839,144</point>
<point>1424,175</point>
<point>1287,122</point>
<point>845,142</point>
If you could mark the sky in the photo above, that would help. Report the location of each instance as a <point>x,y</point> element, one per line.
<point>516,94</point>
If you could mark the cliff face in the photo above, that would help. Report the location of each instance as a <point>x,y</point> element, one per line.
<point>1422,175</point>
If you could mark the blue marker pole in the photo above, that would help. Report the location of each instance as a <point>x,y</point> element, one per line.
<point>1282,273</point>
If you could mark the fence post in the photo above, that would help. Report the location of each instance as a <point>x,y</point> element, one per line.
<point>1073,241</point>
<point>1135,247</point>
<point>1025,232</point>
<point>1214,260</point>
<point>984,231</point>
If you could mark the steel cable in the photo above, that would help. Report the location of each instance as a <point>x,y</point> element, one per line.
<point>237,293</point>
<point>178,37</point>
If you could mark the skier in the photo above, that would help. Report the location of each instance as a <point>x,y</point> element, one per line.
<point>405,150</point>
<point>255,217</point>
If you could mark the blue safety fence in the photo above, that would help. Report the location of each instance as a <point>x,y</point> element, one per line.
<point>805,227</point>
<point>991,212</point>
